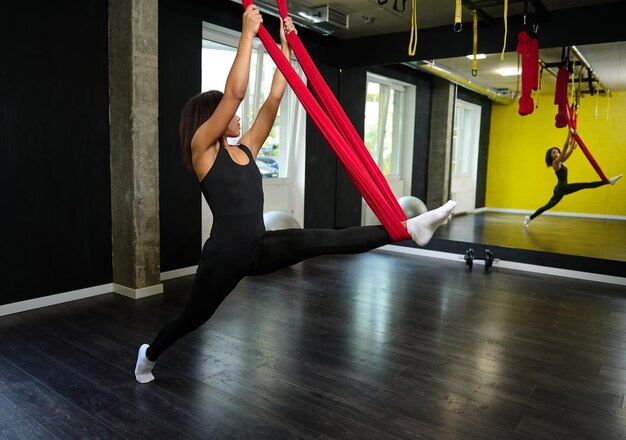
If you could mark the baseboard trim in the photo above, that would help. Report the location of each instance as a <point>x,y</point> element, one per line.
<point>555,271</point>
<point>177,273</point>
<point>549,213</point>
<point>60,298</point>
<point>51,300</point>
<point>137,293</point>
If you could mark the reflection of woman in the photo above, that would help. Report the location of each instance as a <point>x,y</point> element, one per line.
<point>555,158</point>
<point>231,183</point>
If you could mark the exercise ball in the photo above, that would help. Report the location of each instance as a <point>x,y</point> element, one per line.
<point>275,220</point>
<point>412,206</point>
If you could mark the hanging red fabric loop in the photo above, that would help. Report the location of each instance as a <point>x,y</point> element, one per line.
<point>566,116</point>
<point>338,132</point>
<point>560,97</point>
<point>528,48</point>
<point>571,120</point>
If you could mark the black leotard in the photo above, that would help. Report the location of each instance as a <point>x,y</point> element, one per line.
<point>235,195</point>
<point>240,246</point>
<point>561,175</point>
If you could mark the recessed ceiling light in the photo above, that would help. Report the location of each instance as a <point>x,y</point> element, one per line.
<point>479,56</point>
<point>509,71</point>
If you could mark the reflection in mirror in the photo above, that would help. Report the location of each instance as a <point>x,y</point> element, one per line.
<point>590,222</point>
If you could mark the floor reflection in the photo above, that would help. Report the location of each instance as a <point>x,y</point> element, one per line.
<point>588,237</point>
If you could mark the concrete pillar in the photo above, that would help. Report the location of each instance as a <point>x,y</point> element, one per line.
<point>440,150</point>
<point>133,94</point>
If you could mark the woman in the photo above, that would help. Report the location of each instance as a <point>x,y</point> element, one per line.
<point>231,183</point>
<point>555,158</point>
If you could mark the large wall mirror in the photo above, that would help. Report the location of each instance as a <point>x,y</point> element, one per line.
<point>588,223</point>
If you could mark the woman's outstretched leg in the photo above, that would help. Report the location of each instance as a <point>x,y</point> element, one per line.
<point>287,247</point>
<point>573,187</point>
<point>551,204</point>
<point>563,190</point>
<point>212,284</point>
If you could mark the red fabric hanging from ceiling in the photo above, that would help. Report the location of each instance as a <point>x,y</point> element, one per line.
<point>336,128</point>
<point>528,48</point>
<point>566,116</point>
<point>571,118</point>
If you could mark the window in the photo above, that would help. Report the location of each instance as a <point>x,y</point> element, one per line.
<point>464,139</point>
<point>384,114</point>
<point>219,47</point>
<point>388,134</point>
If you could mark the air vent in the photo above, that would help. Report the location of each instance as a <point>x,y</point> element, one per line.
<point>331,16</point>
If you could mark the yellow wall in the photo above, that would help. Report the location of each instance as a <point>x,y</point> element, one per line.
<point>517,176</point>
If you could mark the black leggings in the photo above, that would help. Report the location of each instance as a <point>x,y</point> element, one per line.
<point>217,275</point>
<point>562,190</point>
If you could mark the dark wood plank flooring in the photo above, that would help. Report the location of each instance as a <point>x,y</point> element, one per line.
<point>372,346</point>
<point>586,237</point>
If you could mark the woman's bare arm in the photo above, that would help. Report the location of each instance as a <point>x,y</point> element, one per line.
<point>260,130</point>
<point>209,133</point>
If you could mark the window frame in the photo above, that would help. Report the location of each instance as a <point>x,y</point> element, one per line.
<point>295,124</point>
<point>399,121</point>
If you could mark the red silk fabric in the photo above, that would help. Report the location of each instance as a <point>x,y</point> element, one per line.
<point>528,48</point>
<point>338,131</point>
<point>566,116</point>
<point>560,98</point>
<point>571,118</point>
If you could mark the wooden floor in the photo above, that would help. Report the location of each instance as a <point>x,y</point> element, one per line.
<point>372,346</point>
<point>586,237</point>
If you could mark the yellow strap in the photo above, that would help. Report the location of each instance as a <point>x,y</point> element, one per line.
<point>413,40</point>
<point>573,83</point>
<point>580,77</point>
<point>458,16</point>
<point>475,45</point>
<point>506,28</point>
<point>538,91</point>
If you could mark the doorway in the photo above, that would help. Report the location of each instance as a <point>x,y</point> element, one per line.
<point>465,139</point>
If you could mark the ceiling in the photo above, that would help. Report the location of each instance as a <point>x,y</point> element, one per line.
<point>370,18</point>
<point>430,13</point>
<point>608,61</point>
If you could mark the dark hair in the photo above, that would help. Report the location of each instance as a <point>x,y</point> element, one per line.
<point>195,112</point>
<point>549,155</point>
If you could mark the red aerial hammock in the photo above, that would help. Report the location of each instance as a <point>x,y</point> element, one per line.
<point>567,116</point>
<point>339,133</point>
<point>528,48</point>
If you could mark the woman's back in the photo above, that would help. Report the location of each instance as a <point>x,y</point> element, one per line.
<point>234,193</point>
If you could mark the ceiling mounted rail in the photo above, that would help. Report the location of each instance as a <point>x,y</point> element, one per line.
<point>541,14</point>
<point>590,72</point>
<point>595,85</point>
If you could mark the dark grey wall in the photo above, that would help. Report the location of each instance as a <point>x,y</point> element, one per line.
<point>54,148</point>
<point>180,44</point>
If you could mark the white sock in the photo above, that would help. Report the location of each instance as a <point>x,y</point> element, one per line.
<point>526,221</point>
<point>422,227</point>
<point>143,369</point>
<point>612,180</point>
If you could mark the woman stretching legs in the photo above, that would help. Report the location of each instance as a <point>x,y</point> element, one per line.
<point>231,184</point>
